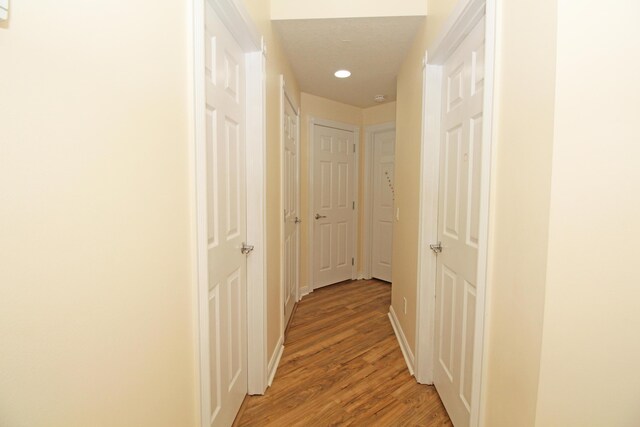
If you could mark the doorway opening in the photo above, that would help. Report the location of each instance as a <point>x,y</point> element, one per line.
<point>333,191</point>
<point>228,199</point>
<point>290,200</point>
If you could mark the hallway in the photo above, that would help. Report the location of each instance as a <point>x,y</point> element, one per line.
<point>342,366</point>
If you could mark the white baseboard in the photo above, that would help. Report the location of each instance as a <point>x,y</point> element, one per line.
<point>304,290</point>
<point>275,361</point>
<point>402,340</point>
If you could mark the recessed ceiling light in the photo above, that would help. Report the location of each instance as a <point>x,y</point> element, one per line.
<point>379,98</point>
<point>342,74</point>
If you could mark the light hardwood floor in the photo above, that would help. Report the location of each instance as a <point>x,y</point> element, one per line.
<point>342,366</point>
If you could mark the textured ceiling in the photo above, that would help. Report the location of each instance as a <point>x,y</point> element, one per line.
<point>371,48</point>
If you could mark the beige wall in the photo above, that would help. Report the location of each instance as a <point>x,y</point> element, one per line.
<point>561,309</point>
<point>592,310</point>
<point>524,106</point>
<point>96,290</point>
<point>407,188</point>
<point>276,65</point>
<point>300,9</point>
<point>407,185</point>
<point>383,113</point>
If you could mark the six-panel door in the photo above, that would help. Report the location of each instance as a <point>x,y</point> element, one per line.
<point>383,201</point>
<point>334,203</point>
<point>226,221</point>
<point>458,222</point>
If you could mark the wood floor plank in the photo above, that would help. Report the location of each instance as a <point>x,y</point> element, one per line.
<point>342,366</point>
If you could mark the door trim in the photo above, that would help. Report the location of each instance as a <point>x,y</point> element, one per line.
<point>356,139</point>
<point>285,97</point>
<point>237,21</point>
<point>462,20</point>
<point>367,226</point>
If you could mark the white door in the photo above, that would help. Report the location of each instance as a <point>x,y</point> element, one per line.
<point>383,196</point>
<point>291,191</point>
<point>333,205</point>
<point>458,211</point>
<point>226,221</point>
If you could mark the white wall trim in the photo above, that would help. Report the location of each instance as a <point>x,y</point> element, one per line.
<point>286,98</point>
<point>356,191</point>
<point>367,226</point>
<point>299,207</point>
<point>239,23</point>
<point>313,121</point>
<point>304,291</point>
<point>484,286</point>
<point>200,172</point>
<point>402,340</point>
<point>236,19</point>
<point>274,361</point>
<point>194,43</point>
<point>281,210</point>
<point>256,225</point>
<point>462,20</point>
<point>428,224</point>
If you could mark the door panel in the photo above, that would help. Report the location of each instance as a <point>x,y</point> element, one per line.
<point>474,164</point>
<point>326,184</point>
<point>291,189</point>
<point>468,328</point>
<point>214,351</point>
<point>458,222</point>
<point>334,198</point>
<point>325,247</point>
<point>382,215</point>
<point>343,185</point>
<point>450,192</point>
<point>226,221</point>
<point>343,245</point>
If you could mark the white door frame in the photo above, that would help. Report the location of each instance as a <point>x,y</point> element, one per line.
<point>462,20</point>
<point>237,21</point>
<point>313,121</point>
<point>367,227</point>
<point>285,97</point>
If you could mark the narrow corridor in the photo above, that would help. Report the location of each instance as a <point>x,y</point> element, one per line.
<point>342,365</point>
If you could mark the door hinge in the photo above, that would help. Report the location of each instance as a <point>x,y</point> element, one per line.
<point>353,261</point>
<point>353,206</point>
<point>354,147</point>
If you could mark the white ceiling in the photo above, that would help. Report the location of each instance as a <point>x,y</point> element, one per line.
<point>371,48</point>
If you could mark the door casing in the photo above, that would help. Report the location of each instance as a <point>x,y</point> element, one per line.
<point>285,97</point>
<point>238,22</point>
<point>313,121</point>
<point>462,20</point>
<point>369,140</point>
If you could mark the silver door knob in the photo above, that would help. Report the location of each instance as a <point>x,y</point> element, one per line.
<point>246,249</point>
<point>318,216</point>
<point>297,220</point>
<point>437,248</point>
